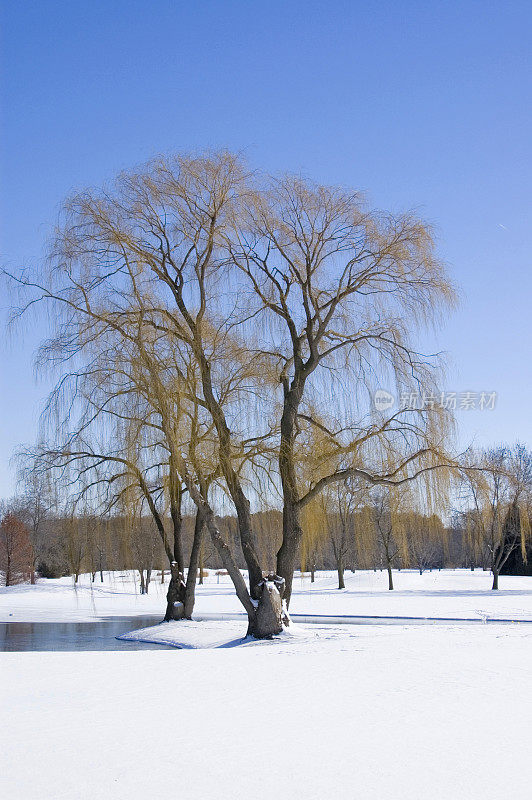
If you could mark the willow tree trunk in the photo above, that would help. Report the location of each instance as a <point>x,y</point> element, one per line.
<point>288,552</point>
<point>292,530</point>
<point>175,596</point>
<point>195,558</point>
<point>269,618</point>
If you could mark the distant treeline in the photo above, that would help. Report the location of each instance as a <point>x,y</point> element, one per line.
<point>86,543</point>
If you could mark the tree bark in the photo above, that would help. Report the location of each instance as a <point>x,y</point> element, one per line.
<point>269,618</point>
<point>288,552</point>
<point>176,499</point>
<point>195,555</point>
<point>292,530</point>
<point>495,579</point>
<point>175,596</point>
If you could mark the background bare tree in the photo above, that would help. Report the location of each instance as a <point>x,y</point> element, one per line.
<point>16,555</point>
<point>387,530</point>
<point>498,485</point>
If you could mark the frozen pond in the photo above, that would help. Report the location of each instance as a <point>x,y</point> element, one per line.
<point>101,634</point>
<point>98,635</point>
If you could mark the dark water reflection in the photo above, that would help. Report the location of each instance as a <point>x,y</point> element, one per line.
<point>72,636</point>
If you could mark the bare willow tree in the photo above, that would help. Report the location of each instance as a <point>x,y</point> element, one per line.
<point>426,539</point>
<point>342,501</point>
<point>498,486</point>
<point>287,302</point>
<point>389,533</point>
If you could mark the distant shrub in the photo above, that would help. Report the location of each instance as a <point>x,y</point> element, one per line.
<point>47,570</point>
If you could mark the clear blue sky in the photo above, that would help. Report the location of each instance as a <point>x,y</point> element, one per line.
<point>421,104</point>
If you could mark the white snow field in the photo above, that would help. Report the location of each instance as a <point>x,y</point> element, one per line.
<point>405,711</point>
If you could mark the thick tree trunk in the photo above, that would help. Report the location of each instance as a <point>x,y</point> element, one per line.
<point>195,556</point>
<point>312,572</point>
<point>175,596</point>
<point>495,579</point>
<point>270,618</point>
<point>288,552</point>
<point>292,530</point>
<point>176,499</point>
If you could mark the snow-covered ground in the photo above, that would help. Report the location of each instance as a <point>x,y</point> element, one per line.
<point>449,593</point>
<point>407,712</point>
